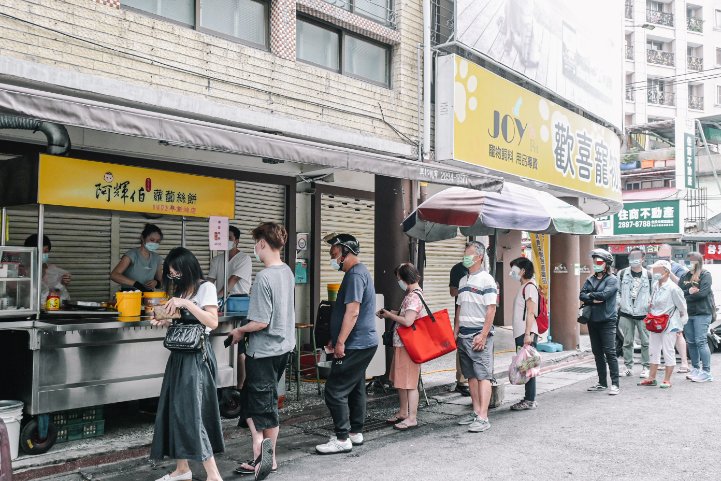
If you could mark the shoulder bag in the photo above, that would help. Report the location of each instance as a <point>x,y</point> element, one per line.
<point>429,337</point>
<point>185,338</point>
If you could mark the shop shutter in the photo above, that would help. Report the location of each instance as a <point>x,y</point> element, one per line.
<point>80,242</point>
<point>346,215</point>
<point>440,258</point>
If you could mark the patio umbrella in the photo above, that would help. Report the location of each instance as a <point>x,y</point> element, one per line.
<point>475,212</point>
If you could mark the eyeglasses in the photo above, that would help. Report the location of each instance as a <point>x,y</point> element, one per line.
<point>174,277</point>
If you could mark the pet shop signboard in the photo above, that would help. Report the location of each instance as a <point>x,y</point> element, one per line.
<point>488,121</point>
<point>97,185</point>
<point>572,48</point>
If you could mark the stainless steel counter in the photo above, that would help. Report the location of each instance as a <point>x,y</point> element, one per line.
<point>62,363</point>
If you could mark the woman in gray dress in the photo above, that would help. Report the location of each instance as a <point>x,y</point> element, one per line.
<point>187,424</point>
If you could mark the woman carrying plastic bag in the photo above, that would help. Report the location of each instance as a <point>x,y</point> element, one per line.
<point>526,364</point>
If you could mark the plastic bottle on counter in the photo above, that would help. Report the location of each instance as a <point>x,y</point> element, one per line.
<point>52,303</point>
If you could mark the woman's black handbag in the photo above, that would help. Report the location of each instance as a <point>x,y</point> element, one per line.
<point>584,315</point>
<point>388,336</point>
<point>185,338</point>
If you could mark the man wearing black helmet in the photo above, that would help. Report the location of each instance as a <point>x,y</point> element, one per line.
<point>354,341</point>
<point>599,293</point>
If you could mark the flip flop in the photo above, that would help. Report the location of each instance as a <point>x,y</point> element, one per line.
<point>395,420</point>
<point>401,426</point>
<point>242,471</point>
<point>264,463</point>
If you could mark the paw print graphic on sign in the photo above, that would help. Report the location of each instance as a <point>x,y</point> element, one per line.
<point>464,88</point>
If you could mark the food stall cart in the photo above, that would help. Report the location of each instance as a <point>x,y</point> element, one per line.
<point>71,359</point>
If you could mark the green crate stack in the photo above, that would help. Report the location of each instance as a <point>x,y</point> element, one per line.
<point>79,424</point>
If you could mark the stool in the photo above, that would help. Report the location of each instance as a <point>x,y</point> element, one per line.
<point>296,368</point>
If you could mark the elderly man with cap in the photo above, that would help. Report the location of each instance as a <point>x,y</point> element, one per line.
<point>669,302</point>
<point>354,341</point>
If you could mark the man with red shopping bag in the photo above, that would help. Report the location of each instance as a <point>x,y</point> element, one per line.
<point>477,297</point>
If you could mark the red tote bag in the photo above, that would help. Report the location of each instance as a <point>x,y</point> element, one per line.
<point>429,337</point>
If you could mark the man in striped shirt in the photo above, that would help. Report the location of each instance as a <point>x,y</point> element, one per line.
<point>477,296</point>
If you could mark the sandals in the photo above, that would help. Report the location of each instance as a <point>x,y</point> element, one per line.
<point>395,420</point>
<point>665,385</point>
<point>402,426</point>
<point>648,382</point>
<point>261,466</point>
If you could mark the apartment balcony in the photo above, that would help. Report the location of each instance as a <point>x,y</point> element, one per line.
<point>630,96</point>
<point>659,57</point>
<point>694,24</point>
<point>695,102</point>
<point>661,98</point>
<point>629,9</point>
<point>629,52</point>
<point>695,63</point>
<point>659,18</point>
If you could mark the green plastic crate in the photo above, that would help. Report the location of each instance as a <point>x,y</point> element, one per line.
<point>77,416</point>
<point>74,432</point>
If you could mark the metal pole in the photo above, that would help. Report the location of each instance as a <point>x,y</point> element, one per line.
<point>427,72</point>
<point>39,265</point>
<point>182,232</point>
<point>225,280</point>
<point>3,227</point>
<point>708,152</point>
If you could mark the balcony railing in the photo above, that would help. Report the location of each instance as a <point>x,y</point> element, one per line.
<point>629,95</point>
<point>661,98</point>
<point>659,18</point>
<point>659,57</point>
<point>695,63</point>
<point>695,102</point>
<point>629,9</point>
<point>629,52</point>
<point>694,24</point>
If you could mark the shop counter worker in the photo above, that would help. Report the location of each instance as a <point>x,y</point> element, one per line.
<point>354,341</point>
<point>54,278</point>
<point>271,329</point>
<point>141,268</point>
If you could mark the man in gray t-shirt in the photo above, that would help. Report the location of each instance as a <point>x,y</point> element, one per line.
<point>271,329</point>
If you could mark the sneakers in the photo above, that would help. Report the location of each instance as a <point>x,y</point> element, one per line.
<point>334,446</point>
<point>626,373</point>
<point>356,439</point>
<point>467,420</point>
<point>694,372</point>
<point>644,373</point>
<point>614,390</point>
<point>187,476</point>
<point>524,405</point>
<point>703,376</point>
<point>597,388</point>
<point>479,425</point>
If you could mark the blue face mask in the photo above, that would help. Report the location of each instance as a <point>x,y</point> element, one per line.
<point>255,254</point>
<point>402,285</point>
<point>335,265</point>
<point>152,246</point>
<point>46,256</point>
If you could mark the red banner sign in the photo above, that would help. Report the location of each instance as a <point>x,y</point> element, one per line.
<point>626,248</point>
<point>711,250</point>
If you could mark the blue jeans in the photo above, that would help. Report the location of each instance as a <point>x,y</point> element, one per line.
<point>695,331</point>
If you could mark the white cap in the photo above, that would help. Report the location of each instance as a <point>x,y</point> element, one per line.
<point>662,263</point>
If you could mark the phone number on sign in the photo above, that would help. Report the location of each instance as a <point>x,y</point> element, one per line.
<point>641,223</point>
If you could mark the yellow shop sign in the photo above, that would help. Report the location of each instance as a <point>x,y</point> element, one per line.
<point>486,120</point>
<point>97,185</point>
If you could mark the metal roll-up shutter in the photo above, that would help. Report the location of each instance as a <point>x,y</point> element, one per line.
<point>80,244</point>
<point>346,215</point>
<point>256,203</point>
<point>440,258</point>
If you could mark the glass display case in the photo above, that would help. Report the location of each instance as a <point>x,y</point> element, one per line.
<point>18,281</point>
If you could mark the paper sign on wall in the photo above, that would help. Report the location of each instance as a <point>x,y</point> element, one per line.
<point>218,233</point>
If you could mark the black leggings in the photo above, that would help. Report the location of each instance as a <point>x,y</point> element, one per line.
<point>603,345</point>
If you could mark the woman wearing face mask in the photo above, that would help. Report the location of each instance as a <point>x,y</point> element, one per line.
<point>141,268</point>
<point>599,292</point>
<point>525,328</point>
<point>666,300</point>
<point>696,287</point>
<point>404,372</point>
<point>187,424</point>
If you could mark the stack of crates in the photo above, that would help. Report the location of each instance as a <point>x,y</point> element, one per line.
<point>79,424</point>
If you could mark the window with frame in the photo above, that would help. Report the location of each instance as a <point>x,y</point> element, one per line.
<point>243,20</point>
<point>378,10</point>
<point>342,52</point>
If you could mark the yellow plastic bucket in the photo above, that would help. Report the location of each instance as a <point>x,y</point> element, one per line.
<point>128,303</point>
<point>333,292</point>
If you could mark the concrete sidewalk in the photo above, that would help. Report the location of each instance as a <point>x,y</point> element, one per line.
<point>304,423</point>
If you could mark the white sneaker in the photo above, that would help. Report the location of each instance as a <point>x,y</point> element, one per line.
<point>467,420</point>
<point>479,425</point>
<point>694,372</point>
<point>180,477</point>
<point>644,373</point>
<point>333,446</point>
<point>613,390</point>
<point>356,439</point>
<point>626,373</point>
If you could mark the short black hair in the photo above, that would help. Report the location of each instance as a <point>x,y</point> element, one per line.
<point>638,249</point>
<point>186,264</point>
<point>526,265</point>
<point>32,241</point>
<point>235,231</point>
<point>408,273</point>
<point>151,229</point>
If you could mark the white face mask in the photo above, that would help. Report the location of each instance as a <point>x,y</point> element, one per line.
<point>255,253</point>
<point>402,285</point>
<point>657,276</point>
<point>634,262</point>
<point>231,245</point>
<point>515,273</point>
<point>334,264</point>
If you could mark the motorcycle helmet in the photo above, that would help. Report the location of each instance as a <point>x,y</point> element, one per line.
<point>346,240</point>
<point>603,254</point>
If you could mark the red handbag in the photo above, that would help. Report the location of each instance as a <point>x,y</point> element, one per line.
<point>656,323</point>
<point>429,337</point>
